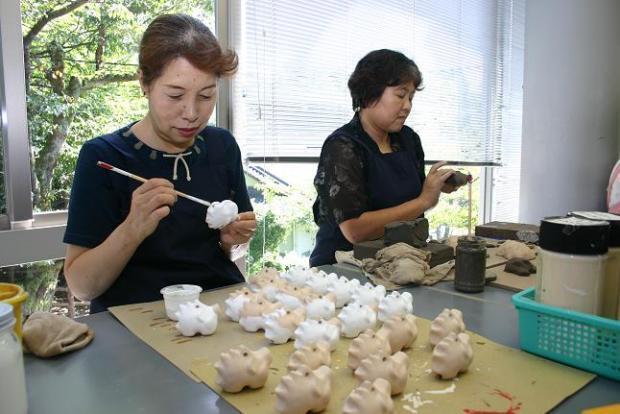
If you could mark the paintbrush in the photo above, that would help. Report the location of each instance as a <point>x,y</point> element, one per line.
<point>143,180</point>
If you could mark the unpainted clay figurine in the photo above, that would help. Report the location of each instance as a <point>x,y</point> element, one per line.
<point>221,213</point>
<point>240,367</point>
<point>395,304</point>
<point>321,306</point>
<point>311,356</point>
<point>392,368</point>
<point>304,390</point>
<point>301,293</point>
<point>368,343</point>
<point>400,331</point>
<point>355,318</point>
<point>311,331</point>
<point>288,302</point>
<point>512,249</point>
<point>370,398</point>
<point>452,355</point>
<point>269,283</point>
<point>281,324</point>
<point>448,321</point>
<point>251,317</point>
<point>321,281</point>
<point>196,317</point>
<point>236,300</point>
<point>343,289</point>
<point>369,295</point>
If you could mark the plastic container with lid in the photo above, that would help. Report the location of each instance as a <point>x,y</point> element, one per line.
<point>15,296</point>
<point>12,379</point>
<point>571,263</point>
<point>175,295</point>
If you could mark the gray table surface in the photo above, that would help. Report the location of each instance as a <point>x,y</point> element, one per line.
<point>118,373</point>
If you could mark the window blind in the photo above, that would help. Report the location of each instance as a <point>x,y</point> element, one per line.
<point>296,56</point>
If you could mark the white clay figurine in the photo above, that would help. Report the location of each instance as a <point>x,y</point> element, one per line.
<point>221,213</point>
<point>196,317</point>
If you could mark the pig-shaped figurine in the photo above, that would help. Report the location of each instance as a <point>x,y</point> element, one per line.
<point>356,318</point>
<point>393,368</point>
<point>368,294</point>
<point>320,282</point>
<point>395,304</point>
<point>370,398</point>
<point>240,367</point>
<point>196,317</point>
<point>452,355</point>
<point>252,315</point>
<point>281,324</point>
<point>311,356</point>
<point>221,213</point>
<point>343,289</point>
<point>311,331</point>
<point>321,307</point>
<point>365,345</point>
<point>235,302</point>
<point>304,390</point>
<point>401,331</point>
<point>297,276</point>
<point>448,321</point>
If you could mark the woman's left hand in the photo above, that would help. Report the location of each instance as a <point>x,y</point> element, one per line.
<point>449,188</point>
<point>239,231</point>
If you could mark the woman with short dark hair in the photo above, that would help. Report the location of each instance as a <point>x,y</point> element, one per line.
<point>127,241</point>
<point>371,170</point>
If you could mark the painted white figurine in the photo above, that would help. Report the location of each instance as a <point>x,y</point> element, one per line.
<point>452,355</point>
<point>297,275</point>
<point>196,317</point>
<point>395,304</point>
<point>281,324</point>
<point>304,390</point>
<point>320,282</point>
<point>392,368</point>
<point>370,398</point>
<point>240,367</point>
<point>356,318</point>
<point>311,331</point>
<point>321,307</point>
<point>343,289</point>
<point>235,302</point>
<point>448,321</point>
<point>252,315</point>
<point>221,213</point>
<point>368,294</point>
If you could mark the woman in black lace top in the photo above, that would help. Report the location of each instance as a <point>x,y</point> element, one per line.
<point>371,170</point>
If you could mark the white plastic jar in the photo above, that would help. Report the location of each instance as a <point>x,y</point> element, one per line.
<point>572,260</point>
<point>175,295</point>
<point>12,380</point>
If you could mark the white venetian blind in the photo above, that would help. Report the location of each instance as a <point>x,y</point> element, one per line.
<point>296,56</point>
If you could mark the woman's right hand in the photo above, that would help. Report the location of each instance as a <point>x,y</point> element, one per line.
<point>435,180</point>
<point>150,203</point>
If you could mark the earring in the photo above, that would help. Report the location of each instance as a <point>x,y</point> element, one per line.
<point>356,109</point>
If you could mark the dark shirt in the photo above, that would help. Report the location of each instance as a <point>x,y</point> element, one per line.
<point>345,187</point>
<point>183,249</point>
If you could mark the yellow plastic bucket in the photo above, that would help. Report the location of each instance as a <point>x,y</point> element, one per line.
<point>14,295</point>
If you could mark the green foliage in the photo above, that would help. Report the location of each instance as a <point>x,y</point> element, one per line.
<point>38,280</point>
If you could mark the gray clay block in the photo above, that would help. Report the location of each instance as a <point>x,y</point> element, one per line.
<point>367,249</point>
<point>440,253</point>
<point>414,232</point>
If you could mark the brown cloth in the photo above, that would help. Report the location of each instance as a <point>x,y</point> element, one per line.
<point>46,334</point>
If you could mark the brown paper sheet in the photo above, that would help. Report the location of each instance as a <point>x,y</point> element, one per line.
<point>500,379</point>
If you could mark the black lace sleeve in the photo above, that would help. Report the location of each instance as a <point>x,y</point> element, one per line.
<point>340,181</point>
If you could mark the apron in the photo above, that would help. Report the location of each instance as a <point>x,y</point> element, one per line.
<point>391,179</point>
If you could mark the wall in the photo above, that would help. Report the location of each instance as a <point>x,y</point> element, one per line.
<point>571,105</point>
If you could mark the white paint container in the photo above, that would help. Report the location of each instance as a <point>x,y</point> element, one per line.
<point>572,260</point>
<point>175,295</point>
<point>12,379</point>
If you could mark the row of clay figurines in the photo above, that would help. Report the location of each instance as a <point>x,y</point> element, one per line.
<point>303,307</point>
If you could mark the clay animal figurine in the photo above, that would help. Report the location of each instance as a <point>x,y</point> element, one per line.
<point>297,276</point>
<point>395,304</point>
<point>392,368</point>
<point>355,318</point>
<point>289,302</point>
<point>268,282</point>
<point>370,398</point>
<point>304,390</point>
<point>240,367</point>
<point>311,331</point>
<point>236,300</point>
<point>343,289</point>
<point>251,317</point>
<point>301,293</point>
<point>400,331</point>
<point>321,281</point>
<point>196,317</point>
<point>512,249</point>
<point>281,324</point>
<point>368,343</point>
<point>449,320</point>
<point>369,295</point>
<point>321,307</point>
<point>452,355</point>
<point>221,213</point>
<point>311,356</point>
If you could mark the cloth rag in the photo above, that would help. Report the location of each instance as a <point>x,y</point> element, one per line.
<point>46,334</point>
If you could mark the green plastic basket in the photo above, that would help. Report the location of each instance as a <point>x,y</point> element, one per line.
<point>584,341</point>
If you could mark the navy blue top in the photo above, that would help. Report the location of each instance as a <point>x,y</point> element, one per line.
<point>353,177</point>
<point>183,249</point>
